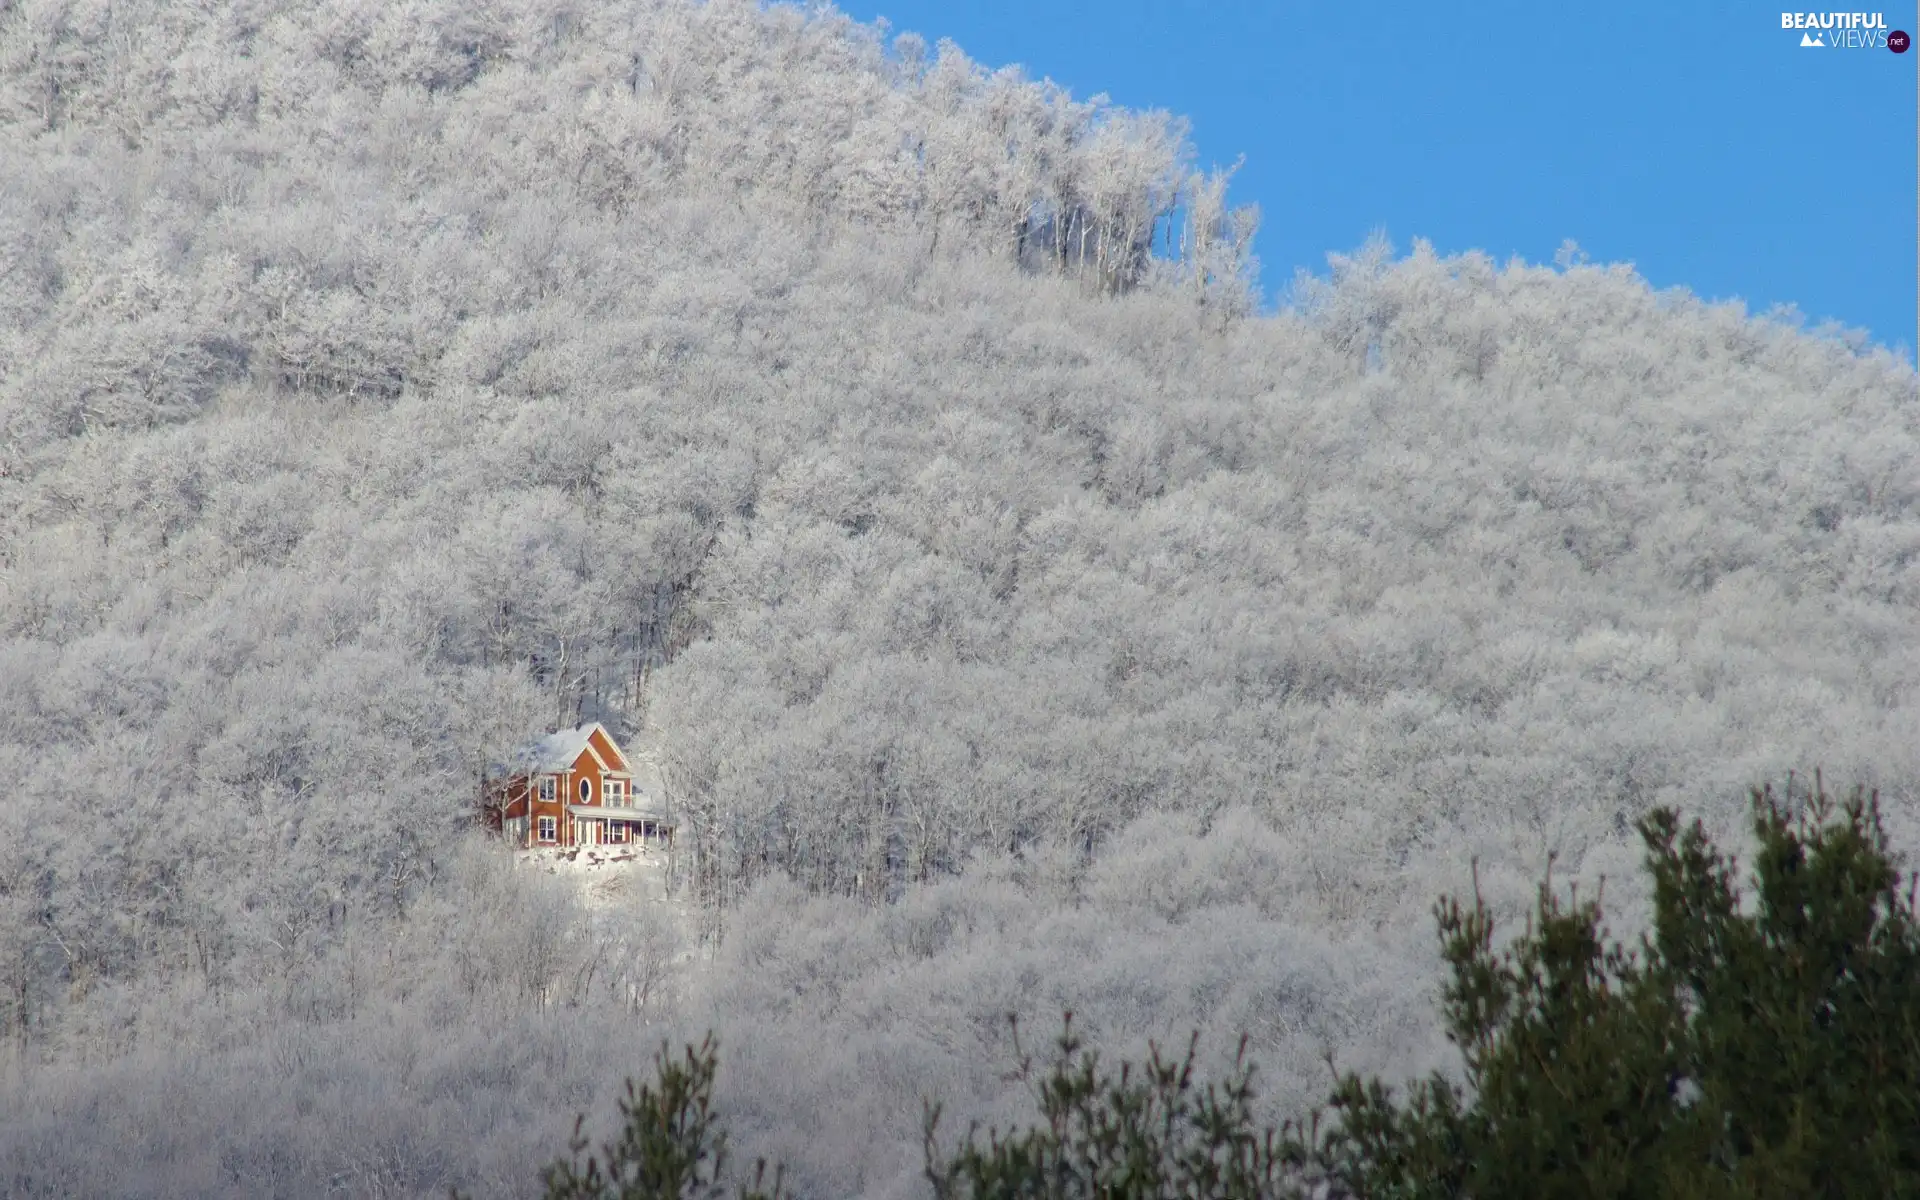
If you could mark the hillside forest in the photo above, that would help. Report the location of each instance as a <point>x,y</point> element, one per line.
<point>1032,609</point>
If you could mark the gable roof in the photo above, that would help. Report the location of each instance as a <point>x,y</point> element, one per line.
<point>615,759</point>
<point>558,751</point>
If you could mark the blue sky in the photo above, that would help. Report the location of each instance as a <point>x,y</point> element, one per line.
<point>1695,139</point>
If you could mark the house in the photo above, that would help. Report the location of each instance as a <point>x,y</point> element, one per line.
<point>577,787</point>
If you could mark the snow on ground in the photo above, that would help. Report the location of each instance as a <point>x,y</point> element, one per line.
<point>618,884</point>
<point>607,876</point>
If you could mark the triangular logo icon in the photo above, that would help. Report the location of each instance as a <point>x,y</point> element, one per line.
<point>1811,39</point>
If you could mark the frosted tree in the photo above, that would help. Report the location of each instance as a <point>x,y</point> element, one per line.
<point>381,387</point>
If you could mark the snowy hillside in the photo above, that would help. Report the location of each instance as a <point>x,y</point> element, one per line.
<point>1026,618</point>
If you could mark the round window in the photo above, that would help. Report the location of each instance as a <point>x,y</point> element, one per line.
<point>586,790</point>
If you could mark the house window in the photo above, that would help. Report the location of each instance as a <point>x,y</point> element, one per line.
<point>586,791</point>
<point>546,788</point>
<point>616,831</point>
<point>616,793</point>
<point>549,829</point>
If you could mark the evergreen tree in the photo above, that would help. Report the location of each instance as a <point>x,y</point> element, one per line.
<point>1148,1133</point>
<point>1747,1050</point>
<point>669,1147</point>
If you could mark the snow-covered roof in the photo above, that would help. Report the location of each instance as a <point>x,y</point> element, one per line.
<point>596,812</point>
<point>554,752</point>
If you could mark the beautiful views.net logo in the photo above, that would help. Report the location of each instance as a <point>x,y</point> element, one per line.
<point>1845,31</point>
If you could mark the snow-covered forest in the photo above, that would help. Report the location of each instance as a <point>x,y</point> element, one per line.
<point>1026,616</point>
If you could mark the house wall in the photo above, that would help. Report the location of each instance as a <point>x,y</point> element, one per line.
<point>587,768</point>
<point>516,805</point>
<point>557,809</point>
<point>524,804</point>
<point>566,791</point>
<point>503,801</point>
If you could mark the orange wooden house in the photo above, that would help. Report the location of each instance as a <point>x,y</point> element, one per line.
<point>577,787</point>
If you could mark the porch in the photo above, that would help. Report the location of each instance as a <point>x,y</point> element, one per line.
<point>597,825</point>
